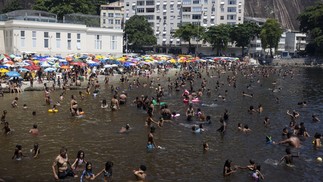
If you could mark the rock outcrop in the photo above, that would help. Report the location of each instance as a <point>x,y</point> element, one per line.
<point>286,11</point>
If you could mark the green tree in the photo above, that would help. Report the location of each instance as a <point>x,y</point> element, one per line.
<point>242,34</point>
<point>187,32</point>
<point>311,22</point>
<point>12,6</point>
<point>270,35</point>
<point>139,33</point>
<point>219,37</point>
<point>61,8</point>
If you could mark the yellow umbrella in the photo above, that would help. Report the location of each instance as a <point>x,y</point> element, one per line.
<point>173,61</point>
<point>4,70</point>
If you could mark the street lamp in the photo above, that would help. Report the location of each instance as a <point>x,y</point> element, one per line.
<point>16,44</point>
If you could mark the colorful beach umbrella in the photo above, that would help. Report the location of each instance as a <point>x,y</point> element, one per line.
<point>13,74</point>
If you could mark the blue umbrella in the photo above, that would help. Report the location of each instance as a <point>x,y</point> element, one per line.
<point>23,69</point>
<point>13,74</point>
<point>5,67</point>
<point>50,69</point>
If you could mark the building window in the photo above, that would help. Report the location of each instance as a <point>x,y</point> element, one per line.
<point>149,17</point>
<point>103,21</point>
<point>196,9</point>
<point>110,21</point>
<point>232,2</point>
<point>221,17</point>
<point>110,15</point>
<point>185,2</point>
<point>118,22</point>
<point>196,17</point>
<point>232,9</point>
<point>78,41</point>
<point>186,16</point>
<point>231,17</point>
<point>58,40</point>
<point>98,42</point>
<point>46,40</point>
<point>196,1</point>
<point>22,38</point>
<point>149,3</point>
<point>140,3</point>
<point>113,42</point>
<point>140,10</point>
<point>104,14</point>
<point>187,9</point>
<point>150,10</point>
<point>69,41</point>
<point>34,38</point>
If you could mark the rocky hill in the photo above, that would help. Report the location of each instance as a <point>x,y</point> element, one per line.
<point>286,11</point>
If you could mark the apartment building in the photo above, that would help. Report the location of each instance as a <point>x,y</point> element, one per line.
<point>165,16</point>
<point>112,15</point>
<point>295,41</point>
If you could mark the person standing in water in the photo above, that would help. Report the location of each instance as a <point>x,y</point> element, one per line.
<point>107,172</point>
<point>63,166</point>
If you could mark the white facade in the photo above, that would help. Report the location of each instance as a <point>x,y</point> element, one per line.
<point>295,41</point>
<point>112,15</point>
<point>165,16</point>
<point>18,36</point>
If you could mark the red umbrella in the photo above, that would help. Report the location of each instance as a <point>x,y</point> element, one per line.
<point>78,64</point>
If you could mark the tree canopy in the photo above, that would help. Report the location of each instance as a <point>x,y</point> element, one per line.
<point>242,34</point>
<point>218,36</point>
<point>12,6</point>
<point>139,33</point>
<point>311,22</point>
<point>62,8</point>
<point>270,35</point>
<point>187,32</point>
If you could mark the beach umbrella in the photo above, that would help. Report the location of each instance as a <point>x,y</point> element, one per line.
<point>23,69</point>
<point>3,70</point>
<point>45,64</point>
<point>13,74</point>
<point>12,56</point>
<point>110,66</point>
<point>78,64</point>
<point>50,69</point>
<point>65,67</point>
<point>3,67</point>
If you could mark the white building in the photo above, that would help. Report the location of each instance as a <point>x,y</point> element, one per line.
<point>295,41</point>
<point>165,16</point>
<point>112,15</point>
<point>255,44</point>
<point>48,38</point>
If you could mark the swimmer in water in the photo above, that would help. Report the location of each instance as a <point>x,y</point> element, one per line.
<point>205,146</point>
<point>140,173</point>
<point>266,121</point>
<point>315,118</point>
<point>291,140</point>
<point>62,163</point>
<point>107,172</point>
<point>18,155</point>
<point>79,161</point>
<point>3,117</point>
<point>36,150</point>
<point>288,157</point>
<point>227,168</point>
<point>25,106</point>
<point>87,174</point>
<point>125,129</point>
<point>14,103</point>
<point>317,140</point>
<point>104,104</point>
<point>34,130</point>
